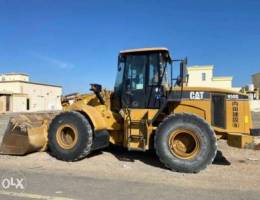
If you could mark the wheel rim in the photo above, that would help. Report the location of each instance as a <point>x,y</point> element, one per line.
<point>184,144</point>
<point>67,136</point>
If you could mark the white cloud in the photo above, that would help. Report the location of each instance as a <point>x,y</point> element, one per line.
<point>55,62</point>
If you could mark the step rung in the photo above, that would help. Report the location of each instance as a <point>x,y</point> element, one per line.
<point>138,137</point>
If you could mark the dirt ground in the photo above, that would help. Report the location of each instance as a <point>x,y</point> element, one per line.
<point>233,169</point>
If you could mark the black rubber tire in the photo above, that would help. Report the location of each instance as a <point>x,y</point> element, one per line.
<point>202,130</point>
<point>85,136</point>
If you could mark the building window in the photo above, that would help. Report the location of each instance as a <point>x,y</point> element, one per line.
<point>28,104</point>
<point>203,77</point>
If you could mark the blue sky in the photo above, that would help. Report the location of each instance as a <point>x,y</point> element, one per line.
<point>74,43</point>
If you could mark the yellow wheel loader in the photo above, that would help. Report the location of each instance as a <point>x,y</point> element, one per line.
<point>148,109</point>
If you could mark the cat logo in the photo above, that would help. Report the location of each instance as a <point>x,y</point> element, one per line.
<point>196,95</point>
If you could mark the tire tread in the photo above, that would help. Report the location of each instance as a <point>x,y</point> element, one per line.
<point>188,117</point>
<point>86,149</point>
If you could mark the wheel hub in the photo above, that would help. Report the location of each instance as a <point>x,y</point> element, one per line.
<point>184,144</point>
<point>67,136</point>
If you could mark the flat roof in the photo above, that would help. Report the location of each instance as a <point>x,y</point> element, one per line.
<point>2,92</point>
<point>200,67</point>
<point>144,49</point>
<point>14,73</point>
<point>29,82</point>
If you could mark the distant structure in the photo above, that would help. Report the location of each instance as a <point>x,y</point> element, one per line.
<point>202,76</point>
<point>256,80</point>
<point>19,94</point>
<point>253,91</point>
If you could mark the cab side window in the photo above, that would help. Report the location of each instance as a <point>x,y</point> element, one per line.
<point>153,69</point>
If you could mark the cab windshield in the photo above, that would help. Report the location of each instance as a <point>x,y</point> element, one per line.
<point>143,69</point>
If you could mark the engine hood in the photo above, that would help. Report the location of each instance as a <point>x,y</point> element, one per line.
<point>209,89</point>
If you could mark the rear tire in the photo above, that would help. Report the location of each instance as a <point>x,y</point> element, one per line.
<point>185,143</point>
<point>70,136</point>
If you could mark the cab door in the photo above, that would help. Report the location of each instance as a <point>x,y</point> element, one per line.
<point>134,94</point>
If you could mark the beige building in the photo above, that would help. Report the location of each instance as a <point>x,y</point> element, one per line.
<point>202,76</point>
<point>19,94</point>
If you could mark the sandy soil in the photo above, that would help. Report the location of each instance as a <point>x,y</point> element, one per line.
<point>237,169</point>
<point>233,169</point>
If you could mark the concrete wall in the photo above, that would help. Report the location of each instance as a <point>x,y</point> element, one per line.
<point>2,104</point>
<point>196,78</point>
<point>255,105</point>
<point>195,75</point>
<point>10,87</point>
<point>222,82</point>
<point>41,97</point>
<point>18,103</point>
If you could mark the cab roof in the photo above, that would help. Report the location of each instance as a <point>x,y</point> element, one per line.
<point>144,50</point>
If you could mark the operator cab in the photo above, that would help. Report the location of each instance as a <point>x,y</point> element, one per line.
<point>142,78</point>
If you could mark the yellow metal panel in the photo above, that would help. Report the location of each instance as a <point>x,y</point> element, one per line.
<point>238,117</point>
<point>200,108</point>
<point>239,140</point>
<point>208,89</point>
<point>138,114</point>
<point>97,119</point>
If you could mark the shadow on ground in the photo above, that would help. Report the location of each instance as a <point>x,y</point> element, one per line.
<point>150,157</point>
<point>220,159</point>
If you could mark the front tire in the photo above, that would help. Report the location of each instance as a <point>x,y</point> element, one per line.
<point>70,136</point>
<point>185,143</point>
